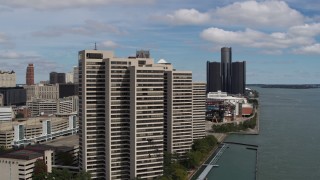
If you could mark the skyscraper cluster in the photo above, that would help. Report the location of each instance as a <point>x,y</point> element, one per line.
<point>226,76</point>
<point>132,110</point>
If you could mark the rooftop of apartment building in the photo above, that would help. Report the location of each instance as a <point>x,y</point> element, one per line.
<point>23,154</point>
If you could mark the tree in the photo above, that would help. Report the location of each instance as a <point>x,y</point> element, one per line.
<point>179,173</point>
<point>82,175</point>
<point>63,174</point>
<point>19,115</point>
<point>40,170</point>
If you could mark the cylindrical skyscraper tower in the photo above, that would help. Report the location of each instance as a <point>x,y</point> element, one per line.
<point>226,69</point>
<point>30,75</point>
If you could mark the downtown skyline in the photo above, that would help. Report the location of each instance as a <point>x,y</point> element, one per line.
<point>279,40</point>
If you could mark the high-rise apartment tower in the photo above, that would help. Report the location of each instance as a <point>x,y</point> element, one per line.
<point>131,111</point>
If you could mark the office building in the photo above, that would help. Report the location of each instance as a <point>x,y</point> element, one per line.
<point>14,96</point>
<point>30,75</point>
<point>198,110</point>
<point>124,111</point>
<point>66,90</point>
<point>1,100</point>
<point>76,75</point>
<point>69,77</point>
<point>40,91</point>
<point>238,77</point>
<point>213,77</point>
<point>57,78</point>
<point>226,76</point>
<point>7,79</point>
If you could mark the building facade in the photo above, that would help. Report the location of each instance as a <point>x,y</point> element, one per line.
<point>33,130</point>
<point>20,164</point>
<point>238,77</point>
<point>76,75</point>
<point>178,112</point>
<point>199,110</point>
<point>57,78</point>
<point>65,105</point>
<point>14,96</point>
<point>66,90</point>
<point>40,91</point>
<point>30,75</point>
<point>213,76</point>
<point>1,100</point>
<point>124,112</point>
<point>7,79</point>
<point>6,114</point>
<point>69,77</point>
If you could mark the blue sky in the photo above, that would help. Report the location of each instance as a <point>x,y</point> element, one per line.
<point>280,40</point>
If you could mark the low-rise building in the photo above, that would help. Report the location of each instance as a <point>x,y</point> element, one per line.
<point>65,105</point>
<point>220,102</point>
<point>41,91</point>
<point>6,113</point>
<point>20,164</point>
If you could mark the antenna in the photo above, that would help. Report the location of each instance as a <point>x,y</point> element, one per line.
<point>95,46</point>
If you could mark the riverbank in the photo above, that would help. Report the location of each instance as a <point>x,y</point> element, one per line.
<point>221,138</point>
<point>196,172</point>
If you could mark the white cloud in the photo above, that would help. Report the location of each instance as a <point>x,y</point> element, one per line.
<point>56,4</point>
<point>186,17</point>
<point>109,44</point>
<point>90,27</point>
<point>256,14</point>
<point>253,38</point>
<point>311,49</point>
<point>305,30</point>
<point>18,61</point>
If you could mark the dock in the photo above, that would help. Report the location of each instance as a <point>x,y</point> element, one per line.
<point>212,163</point>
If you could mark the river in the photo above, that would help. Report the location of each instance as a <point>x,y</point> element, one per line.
<point>289,139</point>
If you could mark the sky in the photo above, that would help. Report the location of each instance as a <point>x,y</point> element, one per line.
<point>279,40</point>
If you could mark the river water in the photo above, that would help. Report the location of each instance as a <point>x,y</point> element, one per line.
<point>289,139</point>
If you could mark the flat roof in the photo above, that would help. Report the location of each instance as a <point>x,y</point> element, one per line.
<point>66,141</point>
<point>22,154</point>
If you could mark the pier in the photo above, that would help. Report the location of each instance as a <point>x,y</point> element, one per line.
<point>212,163</point>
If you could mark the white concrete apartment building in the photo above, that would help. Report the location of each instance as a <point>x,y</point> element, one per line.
<point>131,110</point>
<point>7,79</point>
<point>178,128</point>
<point>41,91</point>
<point>199,110</point>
